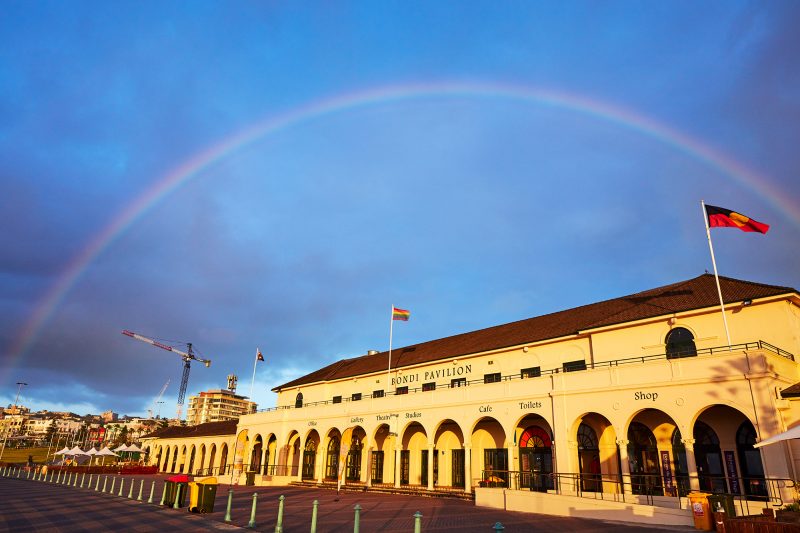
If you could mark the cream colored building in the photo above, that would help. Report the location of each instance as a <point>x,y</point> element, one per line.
<point>217,405</point>
<point>632,402</point>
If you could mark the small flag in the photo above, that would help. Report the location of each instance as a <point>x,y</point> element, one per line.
<point>719,217</point>
<point>259,357</point>
<point>400,314</point>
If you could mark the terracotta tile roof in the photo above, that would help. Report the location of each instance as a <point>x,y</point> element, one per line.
<point>696,293</point>
<point>225,427</point>
<point>792,391</point>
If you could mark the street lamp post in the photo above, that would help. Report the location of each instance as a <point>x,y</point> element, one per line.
<point>20,384</point>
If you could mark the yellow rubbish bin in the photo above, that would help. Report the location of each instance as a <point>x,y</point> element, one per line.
<point>698,501</point>
<point>203,495</point>
<point>193,494</point>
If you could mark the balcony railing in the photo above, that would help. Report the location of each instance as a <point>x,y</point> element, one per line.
<point>758,345</point>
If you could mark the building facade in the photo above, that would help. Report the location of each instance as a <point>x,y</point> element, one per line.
<point>640,395</point>
<point>216,406</point>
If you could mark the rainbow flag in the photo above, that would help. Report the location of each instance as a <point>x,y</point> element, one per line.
<point>400,314</point>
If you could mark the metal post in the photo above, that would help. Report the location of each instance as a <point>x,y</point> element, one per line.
<point>75,481</point>
<point>417,522</point>
<point>252,523</point>
<point>130,492</point>
<point>152,490</point>
<point>279,523</point>
<point>141,487</point>
<point>357,519</point>
<point>121,485</point>
<point>228,510</point>
<point>89,485</point>
<point>105,481</point>
<point>177,504</point>
<point>163,494</point>
<point>28,474</point>
<point>83,478</point>
<point>113,482</point>
<point>314,517</point>
<point>97,483</point>
<point>498,527</point>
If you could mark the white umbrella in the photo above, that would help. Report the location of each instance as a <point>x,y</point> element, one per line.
<point>122,448</point>
<point>134,449</point>
<point>76,451</point>
<point>91,451</point>
<point>106,451</point>
<point>62,452</point>
<point>793,433</point>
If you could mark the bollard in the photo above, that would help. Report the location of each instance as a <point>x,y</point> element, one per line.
<point>59,477</point>
<point>105,480</point>
<point>252,523</point>
<point>75,481</point>
<point>357,520</point>
<point>83,478</point>
<point>417,522</point>
<point>177,504</point>
<point>279,524</point>
<point>121,484</point>
<point>228,510</point>
<point>97,485</point>
<point>164,495</point>
<point>52,476</point>
<point>314,517</point>
<point>28,474</point>
<point>113,482</point>
<point>141,486</point>
<point>130,492</point>
<point>89,484</point>
<point>152,490</point>
<point>498,527</point>
<point>67,478</point>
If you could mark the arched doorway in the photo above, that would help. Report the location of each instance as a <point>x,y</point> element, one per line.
<point>708,456</point>
<point>589,459</point>
<point>680,463</point>
<point>202,463</point>
<point>750,464</point>
<point>165,466</point>
<point>310,455</point>
<point>190,466</point>
<point>256,454</point>
<point>488,442</point>
<point>353,467</point>
<point>448,441</point>
<point>174,459</point>
<point>643,458</point>
<point>332,457</point>
<point>271,455</point>
<point>293,449</point>
<point>223,459</point>
<point>536,459</point>
<point>211,470</point>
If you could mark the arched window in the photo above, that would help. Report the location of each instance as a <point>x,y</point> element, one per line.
<point>298,401</point>
<point>750,461</point>
<point>680,343</point>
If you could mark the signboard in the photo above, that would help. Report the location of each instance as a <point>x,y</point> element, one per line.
<point>730,468</point>
<point>666,471</point>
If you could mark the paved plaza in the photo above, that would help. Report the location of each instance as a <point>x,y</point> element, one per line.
<point>41,506</point>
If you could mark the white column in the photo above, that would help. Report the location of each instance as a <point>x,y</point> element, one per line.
<point>397,467</point>
<point>624,465</point>
<point>430,466</point>
<point>467,468</point>
<point>691,464</point>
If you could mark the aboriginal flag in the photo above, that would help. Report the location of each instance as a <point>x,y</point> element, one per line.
<point>719,217</point>
<point>259,355</point>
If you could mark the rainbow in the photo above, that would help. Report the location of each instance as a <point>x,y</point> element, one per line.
<point>380,96</point>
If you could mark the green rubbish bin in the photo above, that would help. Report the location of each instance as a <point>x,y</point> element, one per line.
<point>723,502</point>
<point>203,494</point>
<point>176,488</point>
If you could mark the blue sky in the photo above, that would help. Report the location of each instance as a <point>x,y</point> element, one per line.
<point>470,207</point>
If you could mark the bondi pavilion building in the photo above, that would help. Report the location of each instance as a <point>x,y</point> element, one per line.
<point>615,409</point>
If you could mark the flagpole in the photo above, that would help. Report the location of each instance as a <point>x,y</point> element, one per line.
<point>716,275</point>
<point>389,370</point>
<point>253,381</point>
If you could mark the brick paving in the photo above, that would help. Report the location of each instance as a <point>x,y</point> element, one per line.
<point>41,506</point>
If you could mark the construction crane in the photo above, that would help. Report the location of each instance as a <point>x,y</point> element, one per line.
<point>187,357</point>
<point>158,398</point>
